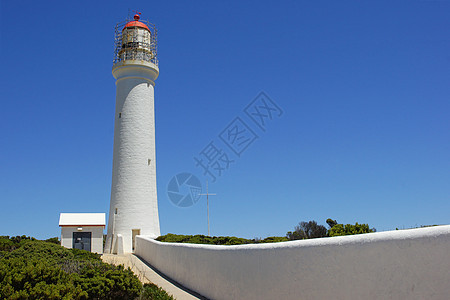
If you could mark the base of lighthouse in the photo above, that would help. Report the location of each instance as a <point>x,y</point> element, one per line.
<point>134,206</point>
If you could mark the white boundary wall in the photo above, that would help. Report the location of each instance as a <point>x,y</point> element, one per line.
<point>403,264</point>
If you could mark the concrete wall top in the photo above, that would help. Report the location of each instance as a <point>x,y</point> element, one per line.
<point>403,234</point>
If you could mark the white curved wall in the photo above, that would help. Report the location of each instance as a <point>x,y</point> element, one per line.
<point>133,189</point>
<point>404,264</point>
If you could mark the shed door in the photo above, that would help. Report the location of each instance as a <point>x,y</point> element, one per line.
<point>82,240</point>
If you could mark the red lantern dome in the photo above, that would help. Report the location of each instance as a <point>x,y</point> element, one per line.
<point>136,23</point>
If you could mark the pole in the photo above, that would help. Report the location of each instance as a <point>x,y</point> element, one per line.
<point>207,204</point>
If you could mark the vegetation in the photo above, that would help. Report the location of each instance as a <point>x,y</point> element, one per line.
<point>421,226</point>
<point>304,230</point>
<point>153,292</point>
<point>220,240</point>
<point>33,269</point>
<point>310,230</point>
<point>331,222</point>
<point>307,230</point>
<point>348,229</point>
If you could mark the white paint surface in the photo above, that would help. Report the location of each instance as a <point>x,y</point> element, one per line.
<point>96,236</point>
<point>76,219</point>
<point>133,190</point>
<point>404,264</point>
<point>117,247</point>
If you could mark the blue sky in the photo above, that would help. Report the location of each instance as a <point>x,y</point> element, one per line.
<point>363,86</point>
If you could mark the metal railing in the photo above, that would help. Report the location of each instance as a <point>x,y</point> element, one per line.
<point>135,49</point>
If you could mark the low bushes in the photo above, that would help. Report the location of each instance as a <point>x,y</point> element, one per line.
<point>349,229</point>
<point>216,240</point>
<point>32,269</point>
<point>311,230</point>
<point>304,230</point>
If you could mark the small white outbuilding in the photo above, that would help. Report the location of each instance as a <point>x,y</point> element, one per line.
<point>82,231</point>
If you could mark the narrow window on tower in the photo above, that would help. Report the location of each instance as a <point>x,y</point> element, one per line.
<point>120,115</point>
<point>149,161</point>
<point>115,212</point>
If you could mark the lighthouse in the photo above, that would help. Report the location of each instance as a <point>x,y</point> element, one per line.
<point>133,206</point>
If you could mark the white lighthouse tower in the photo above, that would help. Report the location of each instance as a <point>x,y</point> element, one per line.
<point>134,206</point>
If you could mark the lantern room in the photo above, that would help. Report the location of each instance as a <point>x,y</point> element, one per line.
<point>136,40</point>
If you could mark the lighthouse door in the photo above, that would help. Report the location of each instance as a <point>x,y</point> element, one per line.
<point>134,233</point>
<point>82,240</point>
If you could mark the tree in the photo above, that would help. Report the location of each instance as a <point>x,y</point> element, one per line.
<point>349,229</point>
<point>331,222</point>
<point>307,230</point>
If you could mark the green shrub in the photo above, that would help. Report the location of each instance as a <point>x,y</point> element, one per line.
<point>274,239</point>
<point>349,229</point>
<point>53,240</point>
<point>216,240</point>
<point>32,269</point>
<point>307,230</point>
<point>153,292</point>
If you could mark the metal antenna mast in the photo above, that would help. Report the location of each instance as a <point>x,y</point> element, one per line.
<point>207,203</point>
